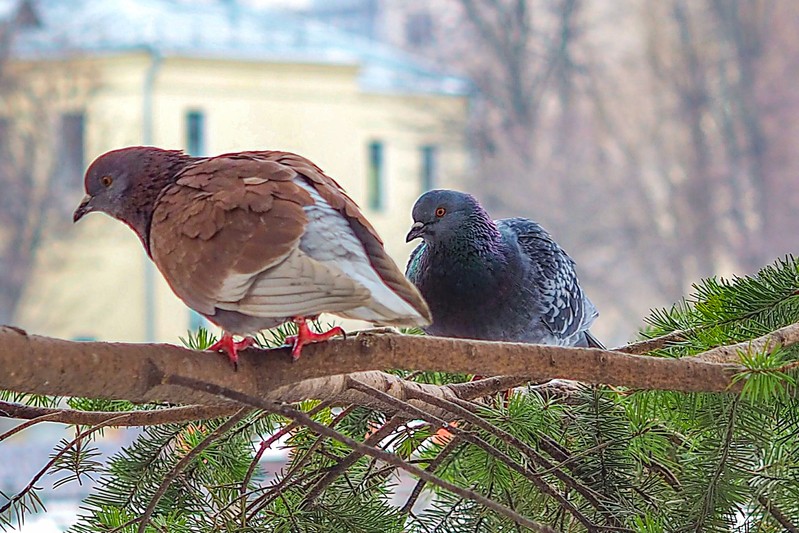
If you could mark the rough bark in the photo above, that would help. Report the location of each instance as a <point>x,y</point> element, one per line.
<point>138,372</point>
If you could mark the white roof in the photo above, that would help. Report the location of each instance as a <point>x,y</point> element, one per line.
<point>222,29</point>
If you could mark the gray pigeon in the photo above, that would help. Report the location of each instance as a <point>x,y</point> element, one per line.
<point>503,280</point>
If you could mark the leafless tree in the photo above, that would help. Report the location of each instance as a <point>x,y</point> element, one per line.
<point>41,139</point>
<point>634,132</point>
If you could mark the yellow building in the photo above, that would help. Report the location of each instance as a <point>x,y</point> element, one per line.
<point>213,77</point>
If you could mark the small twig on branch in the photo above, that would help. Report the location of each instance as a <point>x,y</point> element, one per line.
<point>151,417</point>
<point>778,515</point>
<point>390,458</point>
<point>650,345</point>
<point>25,425</point>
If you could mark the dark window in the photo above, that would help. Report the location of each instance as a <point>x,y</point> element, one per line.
<point>429,167</point>
<point>419,29</point>
<point>195,133</point>
<point>72,149</point>
<point>374,190</point>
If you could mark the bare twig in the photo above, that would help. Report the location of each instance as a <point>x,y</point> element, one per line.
<point>151,417</point>
<point>650,345</point>
<point>25,425</point>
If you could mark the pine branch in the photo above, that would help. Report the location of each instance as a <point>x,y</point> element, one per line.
<point>185,461</point>
<point>372,440</point>
<point>467,436</point>
<point>778,515</point>
<point>710,494</point>
<point>783,337</point>
<point>30,486</point>
<point>445,452</point>
<point>266,444</point>
<point>278,489</point>
<point>390,458</point>
<point>465,411</point>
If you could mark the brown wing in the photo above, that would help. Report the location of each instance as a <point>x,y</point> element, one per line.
<point>335,195</point>
<point>225,216</point>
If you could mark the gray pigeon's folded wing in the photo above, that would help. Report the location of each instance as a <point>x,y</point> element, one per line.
<point>566,310</point>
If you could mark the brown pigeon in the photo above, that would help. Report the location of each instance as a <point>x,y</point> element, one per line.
<point>253,239</point>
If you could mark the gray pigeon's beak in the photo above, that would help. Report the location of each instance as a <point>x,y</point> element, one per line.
<point>84,207</point>
<point>416,231</point>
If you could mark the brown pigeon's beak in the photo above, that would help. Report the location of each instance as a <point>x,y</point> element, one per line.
<point>84,207</point>
<point>416,231</point>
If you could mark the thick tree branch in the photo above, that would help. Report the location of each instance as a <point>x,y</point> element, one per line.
<point>42,365</point>
<point>786,336</point>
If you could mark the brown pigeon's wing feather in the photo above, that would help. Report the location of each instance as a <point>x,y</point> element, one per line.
<point>224,220</point>
<point>332,192</point>
<point>250,235</point>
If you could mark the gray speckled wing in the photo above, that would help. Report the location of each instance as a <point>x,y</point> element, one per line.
<point>566,310</point>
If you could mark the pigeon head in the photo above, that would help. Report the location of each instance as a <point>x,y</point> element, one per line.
<point>125,184</point>
<point>441,214</point>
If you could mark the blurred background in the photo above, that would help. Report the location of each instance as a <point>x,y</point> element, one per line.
<point>654,139</point>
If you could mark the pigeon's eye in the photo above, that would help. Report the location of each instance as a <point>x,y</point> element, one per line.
<point>106,181</point>
<point>440,212</point>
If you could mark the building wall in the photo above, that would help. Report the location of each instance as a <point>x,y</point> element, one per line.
<point>90,284</point>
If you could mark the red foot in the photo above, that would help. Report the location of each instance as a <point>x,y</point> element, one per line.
<point>306,336</point>
<point>227,345</point>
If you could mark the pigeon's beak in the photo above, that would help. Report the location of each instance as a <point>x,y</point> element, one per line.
<point>84,207</point>
<point>416,231</point>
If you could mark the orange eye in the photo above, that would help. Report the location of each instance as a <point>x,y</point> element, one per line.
<point>440,212</point>
<point>106,181</point>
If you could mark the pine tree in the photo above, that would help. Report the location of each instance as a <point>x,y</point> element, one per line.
<point>592,458</point>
